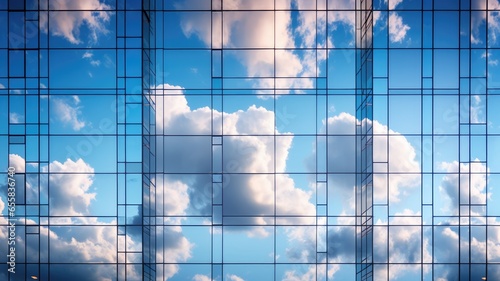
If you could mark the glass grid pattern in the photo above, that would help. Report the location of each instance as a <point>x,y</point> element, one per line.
<point>364,140</point>
<point>250,140</point>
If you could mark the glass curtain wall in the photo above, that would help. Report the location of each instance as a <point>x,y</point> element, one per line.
<point>240,140</point>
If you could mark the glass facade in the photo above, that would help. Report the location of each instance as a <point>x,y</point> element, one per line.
<point>236,140</point>
<point>364,140</point>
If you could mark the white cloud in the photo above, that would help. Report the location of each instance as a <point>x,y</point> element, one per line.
<point>251,30</point>
<point>68,16</point>
<point>233,277</point>
<point>95,242</point>
<point>176,249</point>
<point>302,241</point>
<point>176,195</point>
<point>17,162</point>
<point>69,187</point>
<point>15,117</point>
<point>465,185</point>
<point>178,118</point>
<point>448,241</point>
<point>248,195</point>
<point>397,29</point>
<point>173,197</point>
<point>405,178</point>
<point>2,86</point>
<point>402,161</point>
<point>472,178</point>
<point>67,113</point>
<point>90,242</point>
<point>404,242</point>
<point>170,199</point>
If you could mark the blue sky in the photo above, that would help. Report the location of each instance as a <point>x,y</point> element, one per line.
<point>263,132</point>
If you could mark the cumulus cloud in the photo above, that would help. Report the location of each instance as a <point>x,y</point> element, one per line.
<point>251,30</point>
<point>90,241</point>
<point>17,162</point>
<point>80,239</point>
<point>408,248</point>
<point>342,154</point>
<point>247,194</point>
<point>68,112</point>
<point>247,153</point>
<point>94,243</point>
<point>68,16</point>
<point>175,249</point>
<point>90,244</point>
<point>251,195</point>
<point>69,187</point>
<point>170,199</point>
<point>342,243</point>
<point>341,159</point>
<point>176,195</point>
<point>448,240</point>
<point>404,178</point>
<point>302,244</point>
<point>464,184</point>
